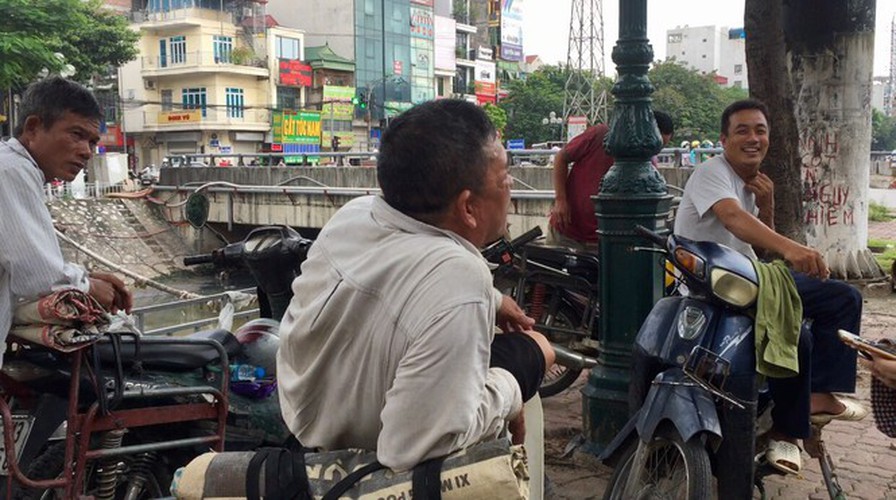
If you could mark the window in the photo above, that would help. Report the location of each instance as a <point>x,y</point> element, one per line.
<point>703,56</point>
<point>288,48</point>
<point>178,49</point>
<point>704,40</point>
<point>738,69</point>
<point>194,99</point>
<point>167,100</point>
<point>223,47</point>
<point>235,103</point>
<point>288,98</point>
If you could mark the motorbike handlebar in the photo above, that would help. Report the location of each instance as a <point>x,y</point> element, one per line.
<point>651,235</point>
<point>526,237</point>
<point>192,260</point>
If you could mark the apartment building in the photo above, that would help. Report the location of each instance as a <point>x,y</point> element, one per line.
<point>711,49</point>
<point>212,77</point>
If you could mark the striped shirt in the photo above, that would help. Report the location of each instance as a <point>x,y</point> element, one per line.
<point>31,262</point>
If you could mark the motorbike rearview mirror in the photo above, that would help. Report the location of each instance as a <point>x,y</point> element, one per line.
<point>196,209</point>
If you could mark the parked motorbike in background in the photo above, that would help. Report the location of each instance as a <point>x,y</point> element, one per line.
<point>694,392</point>
<point>114,420</point>
<point>557,287</point>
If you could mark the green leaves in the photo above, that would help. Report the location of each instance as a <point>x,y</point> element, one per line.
<point>88,35</point>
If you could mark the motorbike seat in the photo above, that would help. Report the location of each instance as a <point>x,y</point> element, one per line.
<point>175,356</point>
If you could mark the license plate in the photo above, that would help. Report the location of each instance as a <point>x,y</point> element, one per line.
<point>21,428</point>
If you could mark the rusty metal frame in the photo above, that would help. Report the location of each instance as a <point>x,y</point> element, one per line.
<point>82,425</point>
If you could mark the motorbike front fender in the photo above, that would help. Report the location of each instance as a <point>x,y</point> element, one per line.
<point>688,407</point>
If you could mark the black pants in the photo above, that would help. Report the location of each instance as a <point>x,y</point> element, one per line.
<point>520,355</point>
<point>826,363</point>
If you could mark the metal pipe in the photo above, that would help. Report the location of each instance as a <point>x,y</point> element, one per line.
<point>572,359</point>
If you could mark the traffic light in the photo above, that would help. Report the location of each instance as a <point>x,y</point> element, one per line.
<point>360,99</point>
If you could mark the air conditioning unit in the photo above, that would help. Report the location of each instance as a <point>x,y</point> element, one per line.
<point>149,84</point>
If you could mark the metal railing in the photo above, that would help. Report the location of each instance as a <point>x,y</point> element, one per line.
<point>183,307</point>
<point>196,59</point>
<point>68,191</point>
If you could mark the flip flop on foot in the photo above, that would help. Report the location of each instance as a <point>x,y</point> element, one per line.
<point>852,412</point>
<point>784,456</point>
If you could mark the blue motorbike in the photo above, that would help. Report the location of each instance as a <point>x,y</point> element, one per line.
<point>694,395</point>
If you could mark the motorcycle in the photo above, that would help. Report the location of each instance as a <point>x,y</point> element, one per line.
<point>114,420</point>
<point>694,393</point>
<point>557,287</point>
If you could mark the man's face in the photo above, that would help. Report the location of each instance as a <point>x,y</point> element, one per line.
<point>746,140</point>
<point>493,199</point>
<point>62,150</point>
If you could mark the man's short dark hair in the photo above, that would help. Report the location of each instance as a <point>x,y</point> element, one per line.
<point>433,152</point>
<point>664,122</point>
<point>741,105</point>
<point>50,98</point>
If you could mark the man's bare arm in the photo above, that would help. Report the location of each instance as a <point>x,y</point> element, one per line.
<point>746,227</point>
<point>561,203</point>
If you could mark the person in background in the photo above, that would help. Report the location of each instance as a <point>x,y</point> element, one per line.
<point>53,140</point>
<point>573,223</point>
<point>388,343</point>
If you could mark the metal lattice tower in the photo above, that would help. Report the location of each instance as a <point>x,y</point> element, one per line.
<point>585,60</point>
<point>890,92</point>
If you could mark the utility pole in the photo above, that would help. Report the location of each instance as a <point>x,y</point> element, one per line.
<point>585,62</point>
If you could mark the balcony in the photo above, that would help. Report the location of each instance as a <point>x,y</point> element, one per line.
<point>203,62</point>
<point>180,18</point>
<point>218,118</point>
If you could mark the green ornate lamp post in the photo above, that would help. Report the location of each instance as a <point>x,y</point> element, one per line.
<point>632,193</point>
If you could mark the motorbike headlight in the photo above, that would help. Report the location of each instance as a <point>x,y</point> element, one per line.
<point>691,262</point>
<point>732,288</point>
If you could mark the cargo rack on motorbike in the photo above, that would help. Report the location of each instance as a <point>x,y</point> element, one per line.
<point>208,403</point>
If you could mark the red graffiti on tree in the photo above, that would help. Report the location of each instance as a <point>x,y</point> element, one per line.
<point>826,200</point>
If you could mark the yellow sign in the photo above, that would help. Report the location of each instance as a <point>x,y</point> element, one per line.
<point>186,116</point>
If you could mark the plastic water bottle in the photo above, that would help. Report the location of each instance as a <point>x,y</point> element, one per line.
<point>243,372</point>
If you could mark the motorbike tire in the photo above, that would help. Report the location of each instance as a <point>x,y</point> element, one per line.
<point>558,378</point>
<point>661,462</point>
<point>50,463</point>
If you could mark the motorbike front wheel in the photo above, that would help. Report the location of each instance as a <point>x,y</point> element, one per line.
<point>665,467</point>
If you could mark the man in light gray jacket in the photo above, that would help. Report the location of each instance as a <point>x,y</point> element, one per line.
<point>389,341</point>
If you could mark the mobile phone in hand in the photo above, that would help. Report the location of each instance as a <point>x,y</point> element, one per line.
<point>866,347</point>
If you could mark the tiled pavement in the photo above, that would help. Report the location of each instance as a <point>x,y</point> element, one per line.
<point>865,459</point>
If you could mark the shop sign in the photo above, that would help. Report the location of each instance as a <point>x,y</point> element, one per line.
<point>295,73</point>
<point>300,127</point>
<point>174,117</point>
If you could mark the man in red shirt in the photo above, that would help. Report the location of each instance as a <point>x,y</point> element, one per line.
<point>573,223</point>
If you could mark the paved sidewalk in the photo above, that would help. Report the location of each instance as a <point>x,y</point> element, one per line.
<point>865,459</point>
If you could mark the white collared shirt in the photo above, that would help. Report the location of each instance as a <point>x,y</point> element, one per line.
<point>31,263</point>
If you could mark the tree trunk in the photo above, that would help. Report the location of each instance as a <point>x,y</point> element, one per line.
<point>770,82</point>
<point>811,62</point>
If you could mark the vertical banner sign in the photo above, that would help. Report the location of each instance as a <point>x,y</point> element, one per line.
<point>422,51</point>
<point>512,30</point>
<point>445,55</point>
<point>298,132</point>
<point>336,115</point>
<point>575,125</point>
<point>485,82</point>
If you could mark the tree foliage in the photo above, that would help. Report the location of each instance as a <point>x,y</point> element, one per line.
<point>89,36</point>
<point>498,117</point>
<point>694,100</point>
<point>883,131</point>
<point>532,99</point>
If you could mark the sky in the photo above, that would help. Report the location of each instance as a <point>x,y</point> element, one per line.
<point>546,26</point>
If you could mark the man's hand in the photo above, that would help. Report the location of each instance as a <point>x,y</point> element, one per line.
<point>883,369</point>
<point>111,292</point>
<point>764,190</point>
<point>517,428</point>
<point>807,260</point>
<point>511,318</point>
<point>561,213</point>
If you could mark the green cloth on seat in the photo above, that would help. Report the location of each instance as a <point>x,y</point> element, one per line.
<point>779,315</point>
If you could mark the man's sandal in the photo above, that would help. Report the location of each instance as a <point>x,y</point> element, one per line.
<point>784,456</point>
<point>852,412</point>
